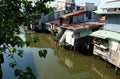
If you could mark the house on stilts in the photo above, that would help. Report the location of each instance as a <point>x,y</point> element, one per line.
<point>107,40</point>
<point>76,29</point>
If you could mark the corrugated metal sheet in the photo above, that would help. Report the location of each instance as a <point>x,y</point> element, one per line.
<point>55,22</point>
<point>115,4</point>
<point>106,34</point>
<point>81,25</point>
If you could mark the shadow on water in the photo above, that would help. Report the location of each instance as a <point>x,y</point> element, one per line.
<point>85,51</point>
<point>24,68</point>
<point>99,71</point>
<point>59,63</point>
<point>1,61</point>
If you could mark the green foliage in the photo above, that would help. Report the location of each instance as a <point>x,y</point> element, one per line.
<point>12,64</point>
<point>55,31</point>
<point>35,39</point>
<point>13,15</point>
<point>101,42</point>
<point>24,75</point>
<point>43,53</point>
<point>11,55</point>
<point>20,53</point>
<point>12,50</point>
<point>41,6</point>
<point>17,72</point>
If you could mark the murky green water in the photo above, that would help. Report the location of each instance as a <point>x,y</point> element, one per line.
<point>58,63</point>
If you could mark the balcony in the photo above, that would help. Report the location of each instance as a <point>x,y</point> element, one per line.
<point>101,47</point>
<point>101,50</point>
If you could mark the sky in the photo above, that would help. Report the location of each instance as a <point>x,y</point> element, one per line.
<point>78,2</point>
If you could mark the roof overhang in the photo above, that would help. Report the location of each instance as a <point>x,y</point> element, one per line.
<point>105,13</point>
<point>104,34</point>
<point>56,22</point>
<point>112,4</point>
<point>82,25</point>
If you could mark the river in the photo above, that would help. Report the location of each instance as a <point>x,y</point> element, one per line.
<point>58,63</point>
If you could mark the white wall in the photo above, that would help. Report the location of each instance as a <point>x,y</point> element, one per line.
<point>90,6</point>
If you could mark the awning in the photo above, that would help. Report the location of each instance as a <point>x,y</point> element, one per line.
<point>104,34</point>
<point>113,4</point>
<point>81,25</point>
<point>56,22</point>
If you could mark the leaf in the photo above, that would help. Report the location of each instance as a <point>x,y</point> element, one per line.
<point>23,76</point>
<point>35,39</point>
<point>10,55</point>
<point>28,43</point>
<point>17,72</point>
<point>45,51</point>
<point>28,69</point>
<point>12,50</point>
<point>12,64</point>
<point>20,53</point>
<point>40,53</point>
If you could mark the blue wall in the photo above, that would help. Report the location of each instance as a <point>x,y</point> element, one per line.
<point>112,23</point>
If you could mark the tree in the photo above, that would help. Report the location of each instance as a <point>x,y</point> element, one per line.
<point>14,14</point>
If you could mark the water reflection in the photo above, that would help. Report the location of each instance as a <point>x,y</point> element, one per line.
<point>1,61</point>
<point>26,64</point>
<point>64,64</point>
<point>99,71</point>
<point>74,63</point>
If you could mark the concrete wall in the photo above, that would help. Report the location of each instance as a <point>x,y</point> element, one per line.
<point>88,6</point>
<point>79,18</point>
<point>61,6</point>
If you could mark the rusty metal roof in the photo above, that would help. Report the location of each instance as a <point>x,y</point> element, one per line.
<point>80,25</point>
<point>73,14</point>
<point>56,22</point>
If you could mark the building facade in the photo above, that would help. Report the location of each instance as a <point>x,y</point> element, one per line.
<point>68,5</point>
<point>107,40</point>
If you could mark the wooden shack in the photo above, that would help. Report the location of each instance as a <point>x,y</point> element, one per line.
<point>78,34</point>
<point>107,46</point>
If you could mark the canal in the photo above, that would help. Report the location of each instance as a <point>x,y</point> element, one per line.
<point>57,63</point>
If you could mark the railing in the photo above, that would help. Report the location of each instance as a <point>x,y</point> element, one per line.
<point>101,50</point>
<point>111,10</point>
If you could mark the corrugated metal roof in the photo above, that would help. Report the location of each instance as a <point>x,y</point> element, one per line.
<point>115,4</point>
<point>110,13</point>
<point>79,25</point>
<point>73,14</point>
<point>106,34</point>
<point>55,22</point>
